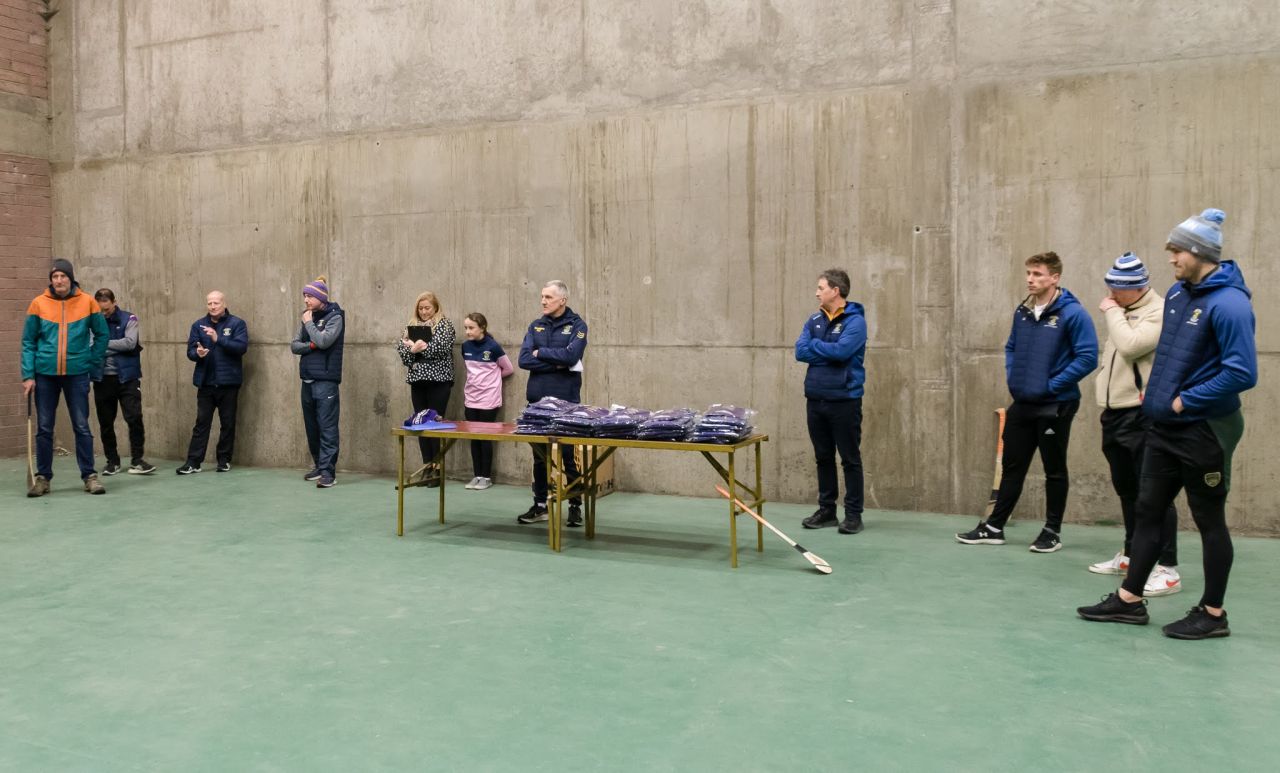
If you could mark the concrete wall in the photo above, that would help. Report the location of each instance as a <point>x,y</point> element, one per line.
<point>688,167</point>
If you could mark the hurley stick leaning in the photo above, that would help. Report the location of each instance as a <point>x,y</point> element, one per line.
<point>995,483</point>
<point>31,458</point>
<point>818,563</point>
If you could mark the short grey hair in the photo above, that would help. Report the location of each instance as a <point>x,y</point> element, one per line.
<point>562,289</point>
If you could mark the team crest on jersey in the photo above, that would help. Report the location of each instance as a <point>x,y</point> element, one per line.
<point>226,331</point>
<point>567,331</point>
<point>1052,321</point>
<point>1212,479</point>
<point>839,326</point>
<point>1195,317</point>
<point>485,356</point>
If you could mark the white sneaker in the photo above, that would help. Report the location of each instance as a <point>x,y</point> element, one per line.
<point>1163,581</point>
<point>474,483</point>
<point>1119,564</point>
<point>482,484</point>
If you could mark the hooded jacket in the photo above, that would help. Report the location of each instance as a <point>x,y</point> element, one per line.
<point>560,343</point>
<point>1045,358</point>
<point>834,347</point>
<point>1207,354</point>
<point>1129,351</point>
<point>63,336</point>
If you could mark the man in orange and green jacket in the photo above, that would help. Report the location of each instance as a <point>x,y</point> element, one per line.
<point>64,339</point>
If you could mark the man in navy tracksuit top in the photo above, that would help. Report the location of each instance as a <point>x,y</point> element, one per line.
<point>319,345</point>
<point>552,353</point>
<point>216,344</point>
<point>1051,347</point>
<point>834,342</point>
<point>1206,357</point>
<point>118,387</point>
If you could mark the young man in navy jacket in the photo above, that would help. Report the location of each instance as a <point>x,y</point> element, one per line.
<point>1051,347</point>
<point>216,344</point>
<point>552,353</point>
<point>319,346</point>
<point>118,387</point>
<point>833,342</point>
<point>1206,357</point>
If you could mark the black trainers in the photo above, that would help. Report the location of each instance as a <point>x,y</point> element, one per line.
<point>575,517</point>
<point>1198,624</point>
<point>312,476</point>
<point>142,467</point>
<point>850,525</point>
<point>326,481</point>
<point>981,535</point>
<point>188,469</point>
<point>1113,609</point>
<point>111,469</point>
<point>1047,542</point>
<point>820,519</point>
<point>224,466</point>
<point>533,514</point>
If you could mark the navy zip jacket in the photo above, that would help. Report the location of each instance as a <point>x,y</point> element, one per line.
<point>1044,359</point>
<point>319,358</point>
<point>834,349</point>
<point>224,356</point>
<point>1206,355</point>
<point>560,343</point>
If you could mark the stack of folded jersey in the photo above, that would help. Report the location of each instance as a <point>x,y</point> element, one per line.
<point>672,424</point>
<point>580,421</point>
<point>620,422</point>
<point>724,424</point>
<point>536,418</point>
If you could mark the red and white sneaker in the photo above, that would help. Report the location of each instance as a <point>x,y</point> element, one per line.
<point>1162,582</point>
<point>1117,565</point>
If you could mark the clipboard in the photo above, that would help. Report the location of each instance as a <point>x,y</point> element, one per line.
<point>419,333</point>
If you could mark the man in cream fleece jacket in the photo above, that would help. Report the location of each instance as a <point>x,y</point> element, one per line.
<point>1133,315</point>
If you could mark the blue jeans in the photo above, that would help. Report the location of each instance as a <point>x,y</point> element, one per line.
<point>76,390</point>
<point>320,409</point>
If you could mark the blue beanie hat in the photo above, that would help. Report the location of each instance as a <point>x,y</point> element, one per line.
<point>1128,273</point>
<point>1201,236</point>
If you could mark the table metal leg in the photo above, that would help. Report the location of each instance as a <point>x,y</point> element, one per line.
<point>400,491</point>
<point>759,502</point>
<point>733,515</point>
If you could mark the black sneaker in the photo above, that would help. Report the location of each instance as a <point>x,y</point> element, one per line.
<point>111,468</point>
<point>326,481</point>
<point>575,517</point>
<point>1113,609</point>
<point>143,467</point>
<point>850,525</point>
<point>1198,624</point>
<point>533,514</point>
<point>981,535</point>
<point>188,469</point>
<point>224,466</point>
<point>1047,542</point>
<point>312,476</point>
<point>820,519</point>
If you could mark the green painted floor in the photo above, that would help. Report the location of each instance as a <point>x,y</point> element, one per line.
<point>249,621</point>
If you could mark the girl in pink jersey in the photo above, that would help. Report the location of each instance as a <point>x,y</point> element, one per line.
<point>487,365</point>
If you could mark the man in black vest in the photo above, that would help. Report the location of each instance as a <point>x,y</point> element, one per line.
<point>119,386</point>
<point>319,344</point>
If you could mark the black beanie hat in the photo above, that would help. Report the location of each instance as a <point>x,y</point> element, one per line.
<point>63,265</point>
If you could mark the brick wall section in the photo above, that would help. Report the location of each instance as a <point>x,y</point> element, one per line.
<point>25,243</point>
<point>24,60</point>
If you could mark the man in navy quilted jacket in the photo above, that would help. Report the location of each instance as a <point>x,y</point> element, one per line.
<point>216,344</point>
<point>1206,357</point>
<point>834,342</point>
<point>1051,347</point>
